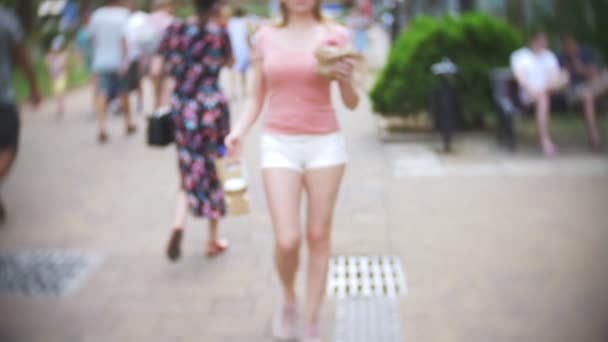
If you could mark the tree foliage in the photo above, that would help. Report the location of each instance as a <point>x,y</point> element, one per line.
<point>476,42</point>
<point>586,19</point>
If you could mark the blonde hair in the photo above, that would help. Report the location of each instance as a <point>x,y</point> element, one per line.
<point>285,13</point>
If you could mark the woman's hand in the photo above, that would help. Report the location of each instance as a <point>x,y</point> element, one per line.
<point>234,144</point>
<point>343,71</point>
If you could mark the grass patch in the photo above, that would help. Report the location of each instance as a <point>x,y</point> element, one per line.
<point>184,12</point>
<point>260,10</point>
<point>77,77</point>
<point>568,125</point>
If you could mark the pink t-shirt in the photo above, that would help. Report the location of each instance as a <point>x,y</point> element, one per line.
<point>298,97</point>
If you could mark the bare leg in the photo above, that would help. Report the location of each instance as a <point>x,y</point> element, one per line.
<point>7,158</point>
<point>157,85</point>
<point>157,77</point>
<point>181,210</point>
<point>60,105</point>
<point>284,191</point>
<point>215,246</point>
<point>284,194</point>
<point>94,86</point>
<point>588,101</point>
<point>542,121</point>
<point>140,96</point>
<point>322,187</point>
<point>101,105</point>
<point>126,105</point>
<point>213,226</point>
<point>168,84</point>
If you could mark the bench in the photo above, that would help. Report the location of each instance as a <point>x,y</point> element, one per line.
<point>506,96</point>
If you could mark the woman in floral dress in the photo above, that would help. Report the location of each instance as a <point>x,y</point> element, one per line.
<point>194,52</point>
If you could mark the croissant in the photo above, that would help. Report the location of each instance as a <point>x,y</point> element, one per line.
<point>328,55</point>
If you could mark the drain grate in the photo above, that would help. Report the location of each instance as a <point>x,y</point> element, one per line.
<point>44,273</point>
<point>366,276</point>
<point>368,319</point>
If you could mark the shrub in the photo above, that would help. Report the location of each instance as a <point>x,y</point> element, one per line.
<point>476,42</point>
<point>77,76</point>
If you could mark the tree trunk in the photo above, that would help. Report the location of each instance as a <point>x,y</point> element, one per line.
<point>27,10</point>
<point>515,12</point>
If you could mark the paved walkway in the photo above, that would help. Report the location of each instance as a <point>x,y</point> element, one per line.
<point>495,247</point>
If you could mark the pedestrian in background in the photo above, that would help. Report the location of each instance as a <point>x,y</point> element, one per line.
<point>12,50</point>
<point>56,63</point>
<point>110,62</point>
<point>302,148</point>
<point>238,28</point>
<point>274,7</point>
<point>538,73</point>
<point>160,19</point>
<point>360,21</point>
<point>587,82</point>
<point>194,52</point>
<point>84,47</point>
<point>135,33</point>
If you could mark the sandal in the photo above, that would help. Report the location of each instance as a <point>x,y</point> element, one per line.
<point>174,249</point>
<point>102,138</point>
<point>132,129</point>
<point>216,248</point>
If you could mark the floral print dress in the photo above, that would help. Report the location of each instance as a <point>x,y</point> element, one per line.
<point>194,55</point>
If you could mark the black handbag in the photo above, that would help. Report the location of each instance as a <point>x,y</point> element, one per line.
<point>161,128</point>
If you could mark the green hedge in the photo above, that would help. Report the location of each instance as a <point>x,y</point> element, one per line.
<point>476,42</point>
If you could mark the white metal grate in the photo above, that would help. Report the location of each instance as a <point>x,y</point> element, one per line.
<point>365,276</point>
<point>367,320</point>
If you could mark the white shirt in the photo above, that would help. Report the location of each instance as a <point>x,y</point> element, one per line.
<point>538,70</point>
<point>107,27</point>
<point>238,31</point>
<point>137,21</point>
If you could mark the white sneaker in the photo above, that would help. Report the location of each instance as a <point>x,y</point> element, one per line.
<point>285,322</point>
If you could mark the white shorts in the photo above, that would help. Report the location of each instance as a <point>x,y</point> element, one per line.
<point>303,152</point>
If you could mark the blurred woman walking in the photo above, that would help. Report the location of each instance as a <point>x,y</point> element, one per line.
<point>303,150</point>
<point>194,52</point>
<point>56,63</point>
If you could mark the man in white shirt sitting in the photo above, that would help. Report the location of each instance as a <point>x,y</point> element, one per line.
<point>538,74</point>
